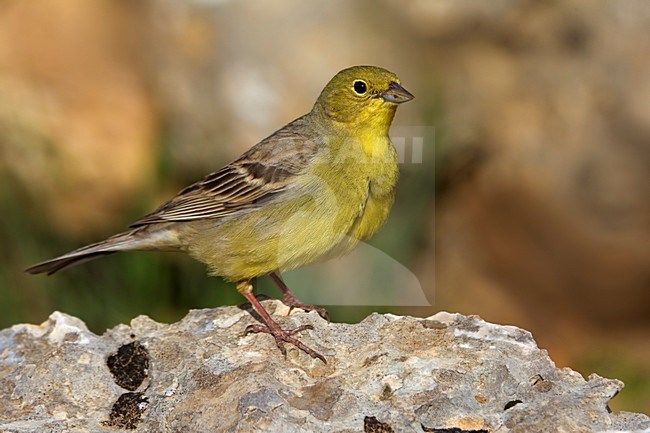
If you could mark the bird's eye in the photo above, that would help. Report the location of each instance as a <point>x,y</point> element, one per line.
<point>360,87</point>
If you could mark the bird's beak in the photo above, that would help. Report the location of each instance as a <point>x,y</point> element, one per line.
<point>396,93</point>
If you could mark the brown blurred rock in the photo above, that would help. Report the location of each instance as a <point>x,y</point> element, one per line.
<point>76,120</point>
<point>545,214</point>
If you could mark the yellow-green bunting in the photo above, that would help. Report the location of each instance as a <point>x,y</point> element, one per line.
<point>310,191</point>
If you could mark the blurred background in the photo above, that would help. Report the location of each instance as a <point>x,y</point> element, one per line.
<point>530,205</point>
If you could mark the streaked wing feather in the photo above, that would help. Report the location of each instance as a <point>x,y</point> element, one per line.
<point>260,174</point>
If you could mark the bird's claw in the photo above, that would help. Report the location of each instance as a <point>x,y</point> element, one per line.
<point>282,336</point>
<point>291,302</point>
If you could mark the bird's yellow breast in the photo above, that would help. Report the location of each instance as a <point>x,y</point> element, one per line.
<point>343,197</point>
<point>382,173</point>
<point>373,178</point>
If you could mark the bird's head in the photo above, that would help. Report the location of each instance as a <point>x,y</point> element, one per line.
<point>362,96</point>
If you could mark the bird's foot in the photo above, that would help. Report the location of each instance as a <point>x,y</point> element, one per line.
<point>270,326</point>
<point>292,302</point>
<point>282,336</point>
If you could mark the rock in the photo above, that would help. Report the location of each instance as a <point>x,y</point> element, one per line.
<point>445,373</point>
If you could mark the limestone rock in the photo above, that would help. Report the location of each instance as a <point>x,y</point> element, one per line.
<point>445,373</point>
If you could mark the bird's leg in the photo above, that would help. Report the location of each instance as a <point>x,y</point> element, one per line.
<point>280,335</point>
<point>292,302</point>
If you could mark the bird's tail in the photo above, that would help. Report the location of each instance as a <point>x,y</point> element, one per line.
<point>127,241</point>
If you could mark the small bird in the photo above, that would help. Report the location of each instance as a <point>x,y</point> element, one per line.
<point>309,192</point>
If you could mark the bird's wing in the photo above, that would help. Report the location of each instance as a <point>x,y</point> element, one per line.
<point>262,173</point>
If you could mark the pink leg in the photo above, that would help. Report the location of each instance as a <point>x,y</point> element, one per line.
<point>292,302</point>
<point>271,327</point>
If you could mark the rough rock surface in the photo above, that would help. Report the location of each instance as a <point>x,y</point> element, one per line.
<point>447,373</point>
